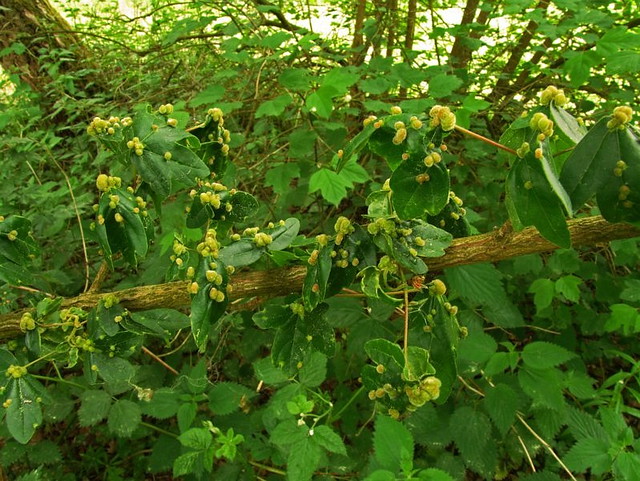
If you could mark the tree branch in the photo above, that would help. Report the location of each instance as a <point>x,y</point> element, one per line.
<point>490,247</point>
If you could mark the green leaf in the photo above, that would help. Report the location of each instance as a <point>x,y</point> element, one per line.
<point>24,414</point>
<point>332,186</point>
<point>433,474</point>
<point>391,443</point>
<point>274,107</point>
<point>240,253</point>
<point>566,124</point>
<point>543,386</point>
<point>543,291</point>
<point>44,452</point>
<point>578,67</point>
<point>413,199</point>
<point>163,405</point>
<point>303,460</point>
<point>472,434</point>
<point>206,311</point>
<point>297,336</point>
<point>314,369</point>
<point>443,85</point>
<point>481,284</point>
<point>124,418</point>
<point>623,318</point>
<point>536,200</point>
<point>268,373</point>
<point>626,465</point>
<point>280,175</point>
<point>589,453</point>
<point>295,78</point>
<point>382,351</point>
<point>353,172</point>
<point>502,403</point>
<point>569,287</point>
<point>196,438</point>
<point>226,397</point>
<point>417,365</point>
<point>329,440</point>
<point>315,282</point>
<point>94,407</point>
<point>320,102</point>
<point>185,463</point>
<point>543,355</point>
<point>289,432</point>
<point>283,235</point>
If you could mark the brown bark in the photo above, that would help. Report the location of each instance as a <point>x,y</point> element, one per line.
<point>391,21</point>
<point>38,26</point>
<point>357,45</point>
<point>491,247</point>
<point>460,53</point>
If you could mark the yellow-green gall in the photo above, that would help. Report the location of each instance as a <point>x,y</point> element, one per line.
<point>230,270</point>
<point>167,155</point>
<point>415,123</point>
<point>443,117</point>
<point>190,272</point>
<point>118,217</point>
<point>538,153</point>
<point>7,403</point>
<point>117,319</point>
<point>400,136</point>
<point>380,368</point>
<point>322,239</point>
<point>523,150</point>
<point>528,185</point>
<point>193,288</point>
<point>395,110</point>
<point>620,118</point>
<point>261,239</point>
<point>437,287</point>
<point>313,258</point>
<point>369,120</point>
<point>27,323</point>
<point>413,252</point>
<point>372,395</point>
<point>13,235</point>
<point>399,125</point>
<point>172,122</point>
<point>15,372</point>
<point>378,123</point>
<point>215,113</point>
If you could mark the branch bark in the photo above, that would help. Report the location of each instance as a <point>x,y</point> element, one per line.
<point>490,247</point>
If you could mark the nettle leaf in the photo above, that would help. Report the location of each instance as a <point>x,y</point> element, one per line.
<point>473,436</point>
<point>536,200</point>
<point>481,284</point>
<point>392,442</point>
<point>329,440</point>
<point>163,405</point>
<point>543,355</point>
<point>303,460</point>
<point>543,386</point>
<point>413,199</point>
<point>124,417</point>
<point>94,406</point>
<point>227,397</point>
<point>24,413</point>
<point>166,176</point>
<point>274,107</point>
<point>589,453</point>
<point>129,236</point>
<point>502,403</point>
<point>569,287</point>
<point>210,301</point>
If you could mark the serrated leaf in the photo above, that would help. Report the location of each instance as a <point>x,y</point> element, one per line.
<point>94,406</point>
<point>568,286</point>
<point>303,460</point>
<point>544,291</point>
<point>390,439</point>
<point>124,417</point>
<point>268,373</point>
<point>583,425</point>
<point>472,434</point>
<point>226,397</point>
<point>332,186</point>
<point>314,369</point>
<point>273,107</point>
<point>544,355</point>
<point>185,463</point>
<point>501,402</point>
<point>329,440</point>
<point>163,405</point>
<point>44,452</point>
<point>543,386</point>
<point>279,177</point>
<point>196,438</point>
<point>589,453</point>
<point>434,474</point>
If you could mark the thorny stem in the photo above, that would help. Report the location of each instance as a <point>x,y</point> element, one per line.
<point>485,139</point>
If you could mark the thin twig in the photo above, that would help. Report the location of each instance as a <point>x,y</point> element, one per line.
<point>485,140</point>
<point>526,453</point>
<point>157,359</point>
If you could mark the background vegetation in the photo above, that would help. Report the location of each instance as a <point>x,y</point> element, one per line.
<point>548,371</point>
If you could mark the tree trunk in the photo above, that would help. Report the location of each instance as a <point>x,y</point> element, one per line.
<point>38,26</point>
<point>358,37</point>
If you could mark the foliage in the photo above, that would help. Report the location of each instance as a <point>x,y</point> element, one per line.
<point>288,148</point>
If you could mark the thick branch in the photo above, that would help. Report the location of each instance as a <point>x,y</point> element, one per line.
<point>491,247</point>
